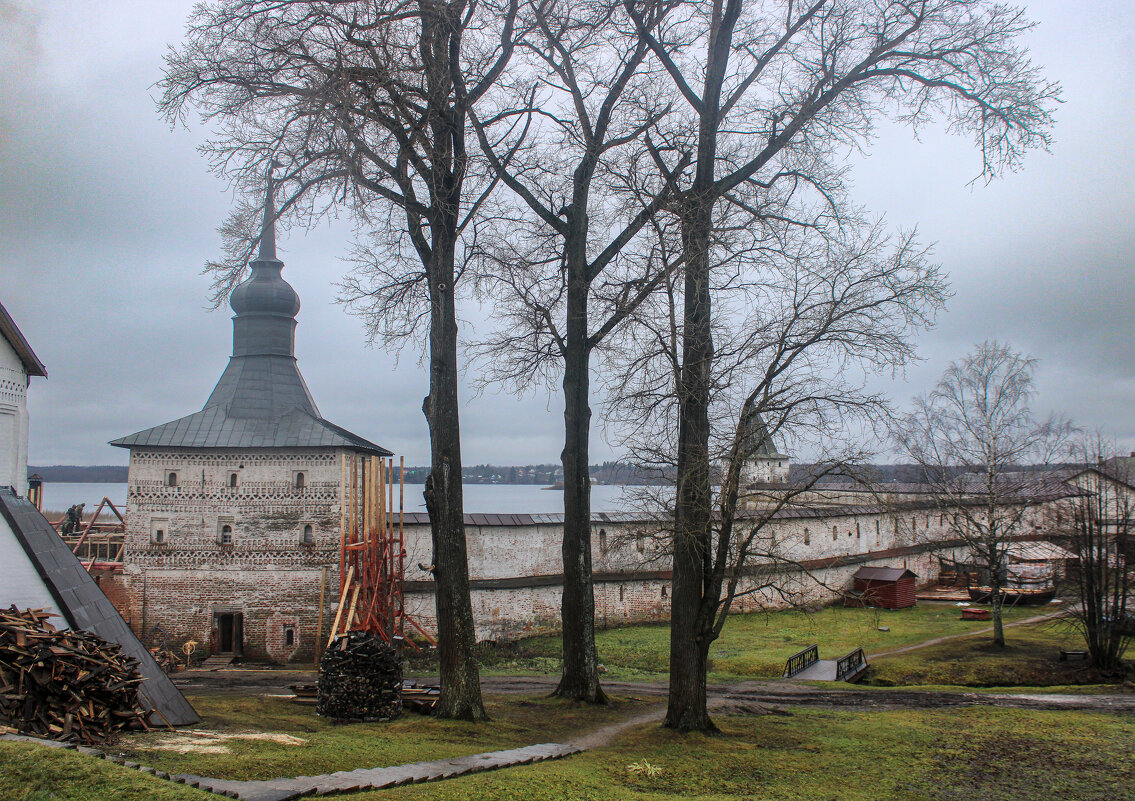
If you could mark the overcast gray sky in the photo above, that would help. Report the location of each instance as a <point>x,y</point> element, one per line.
<point>106,217</point>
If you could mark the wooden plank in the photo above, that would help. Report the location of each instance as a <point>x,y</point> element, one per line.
<point>322,601</point>
<point>351,614</point>
<point>342,603</point>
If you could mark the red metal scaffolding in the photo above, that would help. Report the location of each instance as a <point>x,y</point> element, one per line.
<point>372,551</point>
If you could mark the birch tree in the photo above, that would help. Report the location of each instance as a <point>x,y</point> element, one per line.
<point>978,422</point>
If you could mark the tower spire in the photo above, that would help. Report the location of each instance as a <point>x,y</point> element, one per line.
<point>268,227</point>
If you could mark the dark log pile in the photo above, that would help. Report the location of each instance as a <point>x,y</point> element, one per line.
<point>360,680</point>
<point>64,685</point>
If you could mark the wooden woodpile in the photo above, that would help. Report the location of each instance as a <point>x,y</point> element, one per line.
<point>360,680</point>
<point>64,685</point>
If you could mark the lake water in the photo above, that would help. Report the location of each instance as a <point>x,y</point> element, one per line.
<point>486,498</point>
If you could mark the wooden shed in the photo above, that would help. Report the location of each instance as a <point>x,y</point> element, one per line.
<point>885,587</point>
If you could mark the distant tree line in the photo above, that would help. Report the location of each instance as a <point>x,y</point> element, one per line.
<point>80,474</point>
<point>618,473</point>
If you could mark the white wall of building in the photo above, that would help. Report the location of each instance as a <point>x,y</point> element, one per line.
<point>21,584</point>
<point>13,420</point>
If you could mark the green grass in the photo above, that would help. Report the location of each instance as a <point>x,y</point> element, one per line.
<point>1030,658</point>
<point>327,747</point>
<point>30,772</point>
<point>752,645</point>
<point>851,755</point>
<point>914,755</point>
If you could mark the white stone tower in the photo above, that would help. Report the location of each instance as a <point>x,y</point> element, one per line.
<point>764,464</point>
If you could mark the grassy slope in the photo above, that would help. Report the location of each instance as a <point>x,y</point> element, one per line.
<point>963,754</point>
<point>756,645</point>
<point>1030,658</point>
<point>328,748</point>
<point>30,772</point>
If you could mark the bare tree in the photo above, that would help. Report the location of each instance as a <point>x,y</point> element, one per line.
<point>802,319</point>
<point>558,271</point>
<point>767,83</point>
<point>977,422</point>
<point>1097,528</point>
<point>366,106</point>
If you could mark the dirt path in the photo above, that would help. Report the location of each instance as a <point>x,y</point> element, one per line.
<point>783,693</point>
<point>948,637</point>
<point>605,735</point>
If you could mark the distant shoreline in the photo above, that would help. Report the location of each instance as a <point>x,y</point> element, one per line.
<point>80,474</point>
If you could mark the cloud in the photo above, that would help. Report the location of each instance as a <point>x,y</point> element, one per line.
<point>107,216</point>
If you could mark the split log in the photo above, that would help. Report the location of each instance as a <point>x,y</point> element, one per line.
<point>64,685</point>
<point>360,680</point>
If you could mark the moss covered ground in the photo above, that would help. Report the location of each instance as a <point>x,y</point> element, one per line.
<point>228,743</point>
<point>30,772</point>
<point>851,755</point>
<point>1030,658</point>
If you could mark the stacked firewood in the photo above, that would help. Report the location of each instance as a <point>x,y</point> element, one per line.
<point>360,679</point>
<point>64,685</point>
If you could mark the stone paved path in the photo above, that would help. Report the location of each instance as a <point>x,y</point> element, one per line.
<point>346,780</point>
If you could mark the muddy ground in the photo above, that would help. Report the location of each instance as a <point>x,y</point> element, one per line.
<point>740,697</point>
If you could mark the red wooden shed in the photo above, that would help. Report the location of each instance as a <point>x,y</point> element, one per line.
<point>885,587</point>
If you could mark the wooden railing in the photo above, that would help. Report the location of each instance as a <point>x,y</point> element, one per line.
<point>801,660</point>
<point>847,668</point>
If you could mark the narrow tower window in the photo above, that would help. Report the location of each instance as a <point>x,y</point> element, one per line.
<point>226,535</point>
<point>308,534</point>
<point>171,480</point>
<point>299,480</point>
<point>232,479</point>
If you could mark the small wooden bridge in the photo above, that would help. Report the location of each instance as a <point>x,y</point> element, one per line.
<point>807,665</point>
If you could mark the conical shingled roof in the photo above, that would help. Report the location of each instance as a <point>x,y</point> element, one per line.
<point>261,400</point>
<point>758,441</point>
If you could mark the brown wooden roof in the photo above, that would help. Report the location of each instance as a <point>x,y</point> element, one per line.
<point>883,573</point>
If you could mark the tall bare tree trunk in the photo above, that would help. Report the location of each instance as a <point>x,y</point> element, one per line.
<point>580,677</point>
<point>691,612</point>
<point>460,676</point>
<point>997,602</point>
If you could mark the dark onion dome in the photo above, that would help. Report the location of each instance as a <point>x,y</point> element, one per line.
<point>265,292</point>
